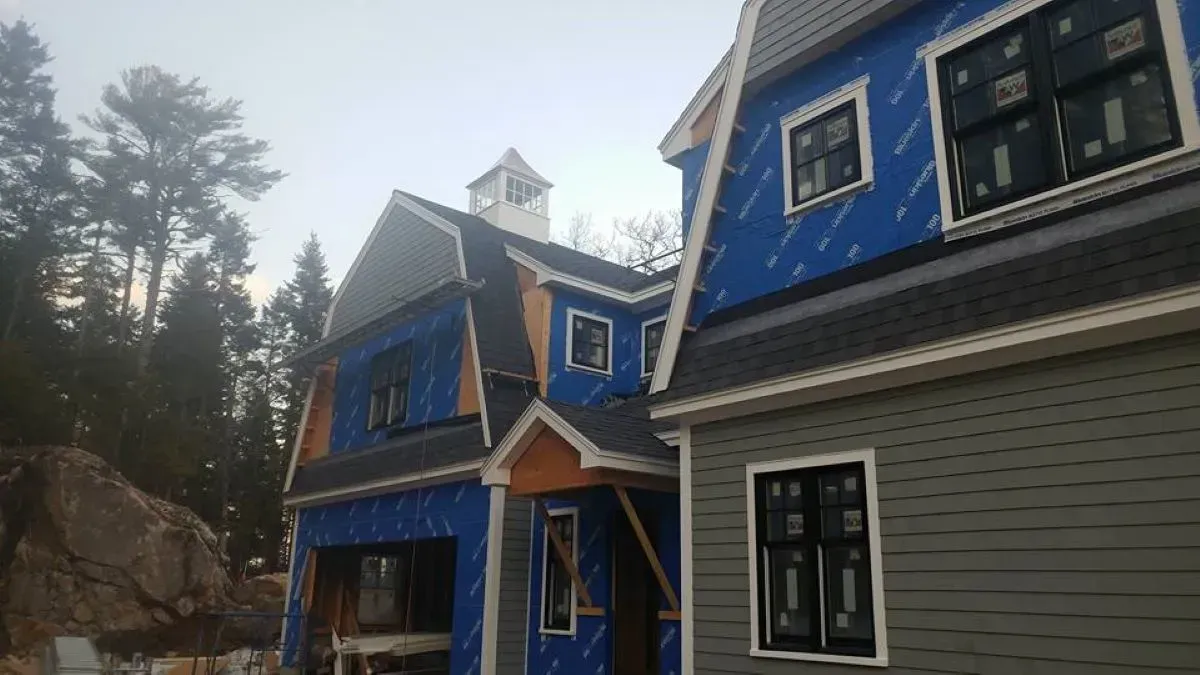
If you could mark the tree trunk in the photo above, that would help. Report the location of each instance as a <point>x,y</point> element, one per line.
<point>158,260</point>
<point>126,299</point>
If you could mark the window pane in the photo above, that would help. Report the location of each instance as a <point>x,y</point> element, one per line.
<point>1115,119</point>
<point>785,526</point>
<point>1071,23</point>
<point>398,407</point>
<point>810,181</point>
<point>998,56</point>
<point>843,166</point>
<point>378,408</point>
<point>998,96</point>
<point>848,593</point>
<point>1001,162</point>
<point>807,142</point>
<point>790,603</point>
<point>843,522</point>
<point>774,493</point>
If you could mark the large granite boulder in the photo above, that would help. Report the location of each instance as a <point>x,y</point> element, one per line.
<point>83,552</point>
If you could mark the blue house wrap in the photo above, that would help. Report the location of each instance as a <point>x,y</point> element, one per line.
<point>758,250</point>
<point>583,387</point>
<point>590,650</point>
<point>451,510</point>
<point>436,370</point>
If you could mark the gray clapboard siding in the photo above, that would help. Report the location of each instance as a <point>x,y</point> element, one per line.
<point>792,32</point>
<point>407,256</point>
<point>1041,518</point>
<point>514,587</point>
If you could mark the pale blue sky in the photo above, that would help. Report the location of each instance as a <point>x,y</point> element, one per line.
<point>362,96</point>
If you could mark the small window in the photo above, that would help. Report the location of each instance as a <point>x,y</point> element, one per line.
<point>652,335</point>
<point>390,371</point>
<point>589,341</point>
<point>525,195</point>
<point>827,149</point>
<point>817,563</point>
<point>1070,90</point>
<point>484,196</point>
<point>558,592</point>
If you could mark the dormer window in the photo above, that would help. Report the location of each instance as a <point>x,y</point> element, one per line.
<point>524,194</point>
<point>390,371</point>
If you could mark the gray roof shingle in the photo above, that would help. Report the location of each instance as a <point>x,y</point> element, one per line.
<point>1137,247</point>
<point>627,429</point>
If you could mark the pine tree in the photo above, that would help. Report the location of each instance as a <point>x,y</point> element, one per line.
<point>181,152</point>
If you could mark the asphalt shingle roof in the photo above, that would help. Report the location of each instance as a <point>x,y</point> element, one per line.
<point>1140,246</point>
<point>627,429</point>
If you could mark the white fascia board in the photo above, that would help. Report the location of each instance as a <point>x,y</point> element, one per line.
<point>710,183</point>
<point>299,440</point>
<point>679,138</point>
<point>547,275</point>
<point>445,474</point>
<point>1154,315</point>
<point>539,416</point>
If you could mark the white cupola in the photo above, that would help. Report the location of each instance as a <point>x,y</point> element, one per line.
<point>513,197</point>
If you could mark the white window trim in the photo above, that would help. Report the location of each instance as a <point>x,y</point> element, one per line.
<point>572,511</point>
<point>646,324</point>
<point>867,457</point>
<point>855,91</point>
<point>1122,178</point>
<point>571,314</point>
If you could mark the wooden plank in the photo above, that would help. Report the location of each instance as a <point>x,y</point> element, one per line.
<point>589,611</point>
<point>647,548</point>
<point>668,615</point>
<point>468,384</point>
<point>310,580</point>
<point>563,554</point>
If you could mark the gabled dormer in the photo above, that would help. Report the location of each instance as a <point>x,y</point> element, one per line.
<point>513,197</point>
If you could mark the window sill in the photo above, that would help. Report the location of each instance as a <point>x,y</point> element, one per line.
<point>589,370</point>
<point>869,661</point>
<point>828,198</point>
<point>556,633</point>
<point>1089,189</point>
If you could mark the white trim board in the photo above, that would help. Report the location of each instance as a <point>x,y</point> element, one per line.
<point>548,275</point>
<point>688,604</point>
<point>874,543</point>
<point>572,511</point>
<point>642,336</point>
<point>570,355</point>
<point>445,474</point>
<point>539,416</point>
<point>706,201</point>
<point>855,92</point>
<point>491,581</point>
<point>482,391</point>
<point>1082,190</point>
<point>1152,315</point>
<point>679,138</point>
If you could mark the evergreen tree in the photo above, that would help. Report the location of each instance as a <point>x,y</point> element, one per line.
<point>182,153</point>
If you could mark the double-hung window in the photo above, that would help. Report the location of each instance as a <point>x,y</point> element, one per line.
<point>1068,91</point>
<point>390,372</point>
<point>589,341</point>
<point>652,335</point>
<point>827,148</point>
<point>816,562</point>
<point>558,592</point>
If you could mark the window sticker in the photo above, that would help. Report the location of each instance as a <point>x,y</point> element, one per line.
<point>776,489</point>
<point>795,525</point>
<point>1138,78</point>
<point>783,620</point>
<point>794,488</point>
<point>1013,49</point>
<point>849,601</point>
<point>1064,26</point>
<point>981,190</point>
<point>793,589</point>
<point>850,484</point>
<point>855,555</point>
<point>1003,168</point>
<point>1092,148</point>
<point>1011,88</point>
<point>806,140</point>
<point>852,521</point>
<point>805,190</point>
<point>1114,120</point>
<point>837,131</point>
<point>1124,39</point>
<point>1022,125</point>
<point>962,77</point>
<point>843,620</point>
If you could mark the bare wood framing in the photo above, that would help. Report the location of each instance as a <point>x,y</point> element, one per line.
<point>647,548</point>
<point>563,554</point>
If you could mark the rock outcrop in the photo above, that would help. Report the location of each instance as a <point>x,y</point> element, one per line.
<point>83,552</point>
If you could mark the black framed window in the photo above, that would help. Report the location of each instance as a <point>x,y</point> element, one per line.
<point>391,370</point>
<point>590,341</point>
<point>652,335</point>
<point>814,561</point>
<point>1072,89</point>
<point>824,154</point>
<point>558,593</point>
